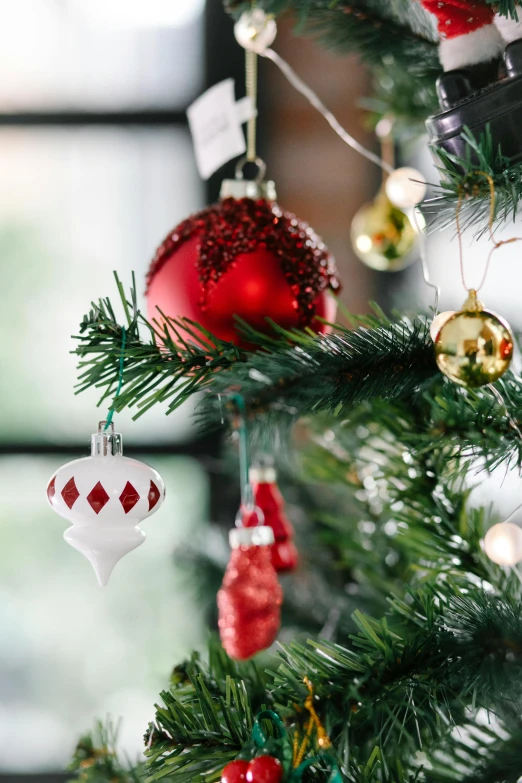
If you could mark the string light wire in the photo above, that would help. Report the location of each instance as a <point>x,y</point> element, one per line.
<point>316,102</point>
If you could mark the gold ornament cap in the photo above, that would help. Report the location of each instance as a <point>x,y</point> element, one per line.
<point>472,303</point>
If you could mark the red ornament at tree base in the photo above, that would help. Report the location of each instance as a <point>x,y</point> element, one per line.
<point>250,597</point>
<point>235,772</point>
<point>261,769</point>
<point>264,769</point>
<point>243,257</point>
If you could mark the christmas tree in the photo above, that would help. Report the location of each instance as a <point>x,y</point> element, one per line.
<point>401,641</point>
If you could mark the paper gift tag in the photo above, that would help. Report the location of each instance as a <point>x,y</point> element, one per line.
<point>215,120</point>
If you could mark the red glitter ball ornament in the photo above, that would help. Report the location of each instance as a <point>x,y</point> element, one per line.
<point>249,601</point>
<point>243,257</point>
<point>264,769</point>
<point>235,772</point>
<point>269,499</point>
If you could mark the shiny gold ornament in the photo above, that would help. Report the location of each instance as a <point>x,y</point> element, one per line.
<point>474,347</point>
<point>382,236</point>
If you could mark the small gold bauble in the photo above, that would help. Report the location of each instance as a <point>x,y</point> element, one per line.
<point>474,346</point>
<point>383,236</point>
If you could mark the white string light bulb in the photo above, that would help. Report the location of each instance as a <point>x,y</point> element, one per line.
<point>405,187</point>
<point>255,30</point>
<point>503,544</point>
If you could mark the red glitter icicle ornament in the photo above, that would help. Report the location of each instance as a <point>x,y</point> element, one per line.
<point>250,597</point>
<point>243,256</point>
<point>269,499</point>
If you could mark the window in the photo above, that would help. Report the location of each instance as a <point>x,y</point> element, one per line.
<point>96,167</point>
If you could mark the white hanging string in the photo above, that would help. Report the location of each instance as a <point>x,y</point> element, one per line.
<point>316,102</point>
<point>421,233</point>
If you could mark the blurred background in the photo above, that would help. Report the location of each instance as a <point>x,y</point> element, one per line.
<point>96,166</point>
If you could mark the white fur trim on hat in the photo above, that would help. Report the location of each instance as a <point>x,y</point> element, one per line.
<point>479,46</point>
<point>509,29</point>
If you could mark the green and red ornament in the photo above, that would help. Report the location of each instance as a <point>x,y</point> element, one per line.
<point>245,257</point>
<point>271,759</point>
<point>262,769</point>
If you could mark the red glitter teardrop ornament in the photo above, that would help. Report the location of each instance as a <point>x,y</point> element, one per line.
<point>269,499</point>
<point>244,257</point>
<point>250,597</point>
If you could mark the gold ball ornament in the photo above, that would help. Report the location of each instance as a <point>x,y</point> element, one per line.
<point>382,236</point>
<point>474,346</point>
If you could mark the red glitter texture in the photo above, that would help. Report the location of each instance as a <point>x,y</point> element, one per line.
<point>268,498</point>
<point>249,602</point>
<point>256,249</point>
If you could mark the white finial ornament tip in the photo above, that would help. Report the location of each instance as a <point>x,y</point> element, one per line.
<point>104,546</point>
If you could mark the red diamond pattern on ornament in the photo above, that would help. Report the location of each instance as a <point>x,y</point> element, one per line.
<point>51,489</point>
<point>129,497</point>
<point>70,493</point>
<point>153,496</point>
<point>97,498</point>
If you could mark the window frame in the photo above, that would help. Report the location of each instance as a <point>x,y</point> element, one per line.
<point>222,59</point>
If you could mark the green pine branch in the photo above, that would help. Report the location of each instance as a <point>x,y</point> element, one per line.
<point>464,181</point>
<point>450,643</point>
<point>205,718</point>
<point>295,374</point>
<point>507,8</point>
<point>96,760</point>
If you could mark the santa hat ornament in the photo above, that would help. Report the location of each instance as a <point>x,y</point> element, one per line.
<point>468,35</point>
<point>105,497</point>
<point>478,49</point>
